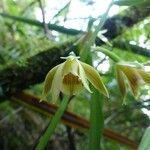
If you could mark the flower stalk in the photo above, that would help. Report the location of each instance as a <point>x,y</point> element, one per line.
<point>53,124</point>
<point>96,121</point>
<point>108,53</point>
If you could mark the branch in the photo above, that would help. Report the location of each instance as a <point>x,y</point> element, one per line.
<point>114,25</point>
<point>126,19</point>
<point>43,17</point>
<point>69,118</point>
<point>55,27</point>
<point>133,48</point>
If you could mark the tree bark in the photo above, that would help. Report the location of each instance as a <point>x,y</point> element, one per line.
<point>18,77</point>
<point>116,25</point>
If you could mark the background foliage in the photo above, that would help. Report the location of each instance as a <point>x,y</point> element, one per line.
<point>28,33</point>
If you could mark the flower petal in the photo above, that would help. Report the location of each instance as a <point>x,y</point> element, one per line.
<point>83,77</point>
<point>70,66</point>
<point>145,75</point>
<point>94,77</point>
<point>133,78</point>
<point>121,82</point>
<point>48,80</point>
<point>56,83</point>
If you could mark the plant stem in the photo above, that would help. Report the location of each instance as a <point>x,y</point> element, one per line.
<point>70,138</point>
<point>96,121</point>
<point>52,124</point>
<point>109,53</point>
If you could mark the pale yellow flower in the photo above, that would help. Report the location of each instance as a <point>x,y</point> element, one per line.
<point>71,77</point>
<point>135,75</point>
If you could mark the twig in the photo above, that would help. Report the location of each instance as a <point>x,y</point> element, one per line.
<point>101,62</point>
<point>43,16</point>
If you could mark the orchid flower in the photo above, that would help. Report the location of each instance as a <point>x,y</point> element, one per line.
<point>71,77</point>
<point>135,75</point>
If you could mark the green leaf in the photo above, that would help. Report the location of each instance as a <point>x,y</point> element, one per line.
<point>96,121</point>
<point>145,3</point>
<point>52,125</point>
<point>145,142</point>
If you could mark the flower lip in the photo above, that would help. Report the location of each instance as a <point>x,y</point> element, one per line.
<point>71,79</point>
